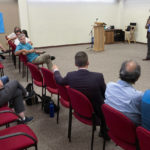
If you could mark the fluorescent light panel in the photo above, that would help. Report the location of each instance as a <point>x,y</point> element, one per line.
<point>106,1</point>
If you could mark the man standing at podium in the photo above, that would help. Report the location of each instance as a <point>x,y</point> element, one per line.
<point>147,26</point>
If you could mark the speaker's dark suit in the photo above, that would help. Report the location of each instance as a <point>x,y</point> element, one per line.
<point>91,84</point>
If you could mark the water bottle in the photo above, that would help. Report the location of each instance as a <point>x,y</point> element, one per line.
<point>51,109</point>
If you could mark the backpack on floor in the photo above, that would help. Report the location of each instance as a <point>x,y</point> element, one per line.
<point>33,99</point>
<point>46,100</point>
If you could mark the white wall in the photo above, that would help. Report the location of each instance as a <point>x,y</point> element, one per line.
<point>53,23</point>
<point>136,11</point>
<point>24,15</point>
<point>59,23</point>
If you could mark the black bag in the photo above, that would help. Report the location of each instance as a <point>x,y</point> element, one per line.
<point>46,100</point>
<point>34,98</point>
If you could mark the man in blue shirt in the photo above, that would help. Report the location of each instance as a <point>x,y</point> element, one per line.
<point>32,54</point>
<point>145,110</point>
<point>147,26</point>
<point>122,95</point>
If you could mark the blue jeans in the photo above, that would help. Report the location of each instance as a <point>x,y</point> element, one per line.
<point>4,79</point>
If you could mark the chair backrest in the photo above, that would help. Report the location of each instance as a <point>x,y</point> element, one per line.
<point>12,45</point>
<point>48,78</point>
<point>143,138</point>
<point>64,95</point>
<point>1,66</point>
<point>80,104</point>
<point>119,125</point>
<point>35,72</point>
<point>23,58</point>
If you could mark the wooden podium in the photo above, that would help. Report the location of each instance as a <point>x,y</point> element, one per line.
<point>99,36</point>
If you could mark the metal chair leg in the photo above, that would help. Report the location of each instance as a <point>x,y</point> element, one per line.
<point>19,65</point>
<point>7,125</point>
<point>70,124</point>
<point>58,109</point>
<point>36,148</point>
<point>92,140</point>
<point>104,143</point>
<point>27,73</point>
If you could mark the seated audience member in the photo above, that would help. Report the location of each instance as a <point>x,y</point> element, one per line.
<point>145,110</point>
<point>91,84</point>
<point>122,95</point>
<point>13,36</point>
<point>17,42</point>
<point>12,92</point>
<point>32,54</point>
<point>26,35</point>
<point>3,50</point>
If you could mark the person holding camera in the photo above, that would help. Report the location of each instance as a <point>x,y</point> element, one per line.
<point>147,26</point>
<point>122,95</point>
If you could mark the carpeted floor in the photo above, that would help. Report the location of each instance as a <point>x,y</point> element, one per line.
<point>54,137</point>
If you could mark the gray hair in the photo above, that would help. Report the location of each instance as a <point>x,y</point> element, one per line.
<point>132,75</point>
<point>20,36</point>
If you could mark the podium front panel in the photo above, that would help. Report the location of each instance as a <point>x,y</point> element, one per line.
<point>98,38</point>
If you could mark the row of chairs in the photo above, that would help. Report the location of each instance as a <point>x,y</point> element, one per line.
<point>19,136</point>
<point>121,130</point>
<point>70,98</point>
<point>124,132</point>
<point>66,98</point>
<point>16,137</point>
<point>11,47</point>
<point>78,104</point>
<point>22,59</point>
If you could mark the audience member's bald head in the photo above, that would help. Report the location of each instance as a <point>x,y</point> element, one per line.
<point>130,71</point>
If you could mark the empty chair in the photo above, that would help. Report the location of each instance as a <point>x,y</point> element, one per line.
<point>36,75</point>
<point>82,110</point>
<point>121,129</point>
<point>7,116</point>
<point>37,79</point>
<point>17,138</point>
<point>13,48</point>
<point>64,98</point>
<point>50,84</point>
<point>143,138</point>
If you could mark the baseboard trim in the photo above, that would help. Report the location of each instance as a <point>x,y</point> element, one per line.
<point>141,43</point>
<point>44,47</point>
<point>61,45</point>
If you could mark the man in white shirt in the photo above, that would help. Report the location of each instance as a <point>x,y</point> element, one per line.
<point>13,36</point>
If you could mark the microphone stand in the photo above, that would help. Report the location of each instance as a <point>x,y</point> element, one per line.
<point>92,39</point>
